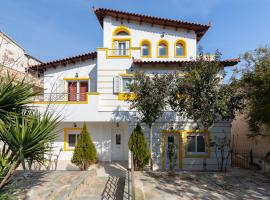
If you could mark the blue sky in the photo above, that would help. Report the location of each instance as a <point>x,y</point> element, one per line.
<point>50,29</point>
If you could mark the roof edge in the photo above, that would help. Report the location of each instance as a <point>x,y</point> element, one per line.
<point>226,62</point>
<point>200,29</point>
<point>64,61</point>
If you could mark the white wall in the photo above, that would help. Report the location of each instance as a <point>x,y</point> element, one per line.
<point>101,136</point>
<point>218,130</point>
<point>54,77</point>
<point>143,31</point>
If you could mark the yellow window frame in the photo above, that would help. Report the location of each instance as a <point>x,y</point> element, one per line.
<point>148,42</point>
<point>184,44</point>
<point>163,41</point>
<point>207,144</point>
<point>66,148</point>
<point>121,28</point>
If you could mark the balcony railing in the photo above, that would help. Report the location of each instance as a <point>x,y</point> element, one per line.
<point>61,97</point>
<point>119,52</point>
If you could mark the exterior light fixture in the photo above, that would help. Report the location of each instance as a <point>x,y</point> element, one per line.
<point>75,125</point>
<point>76,75</point>
<point>117,124</point>
<point>162,35</point>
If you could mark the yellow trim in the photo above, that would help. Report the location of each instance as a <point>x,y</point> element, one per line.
<point>77,79</point>
<point>208,147</point>
<point>101,49</point>
<point>66,135</point>
<point>126,96</point>
<point>180,151</point>
<point>184,44</point>
<point>163,41</point>
<point>121,28</point>
<point>148,42</point>
<point>135,48</point>
<point>126,74</point>
<point>163,150</point>
<point>93,93</point>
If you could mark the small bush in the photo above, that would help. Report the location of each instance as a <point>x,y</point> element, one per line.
<point>138,146</point>
<point>85,152</point>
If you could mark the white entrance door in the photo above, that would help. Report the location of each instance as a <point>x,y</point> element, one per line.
<point>118,144</point>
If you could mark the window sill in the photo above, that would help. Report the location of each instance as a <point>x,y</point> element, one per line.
<point>118,57</point>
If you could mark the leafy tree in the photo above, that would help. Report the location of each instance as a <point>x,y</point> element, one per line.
<point>149,100</point>
<point>138,146</point>
<point>200,96</point>
<point>256,84</point>
<point>28,138</point>
<point>85,152</point>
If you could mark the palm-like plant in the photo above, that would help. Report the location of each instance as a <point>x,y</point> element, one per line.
<point>28,139</point>
<point>14,96</point>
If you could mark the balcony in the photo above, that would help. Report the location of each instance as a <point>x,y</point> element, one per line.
<point>119,53</point>
<point>62,98</point>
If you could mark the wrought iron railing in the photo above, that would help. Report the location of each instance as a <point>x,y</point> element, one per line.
<point>60,97</point>
<point>119,52</point>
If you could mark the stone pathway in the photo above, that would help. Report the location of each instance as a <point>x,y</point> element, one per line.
<point>237,184</point>
<point>104,181</point>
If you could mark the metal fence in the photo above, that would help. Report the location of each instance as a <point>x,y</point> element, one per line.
<point>119,52</point>
<point>56,97</point>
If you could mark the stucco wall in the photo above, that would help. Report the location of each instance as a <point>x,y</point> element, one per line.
<point>143,31</point>
<point>243,144</point>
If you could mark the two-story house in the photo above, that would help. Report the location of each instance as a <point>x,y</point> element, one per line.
<point>92,88</point>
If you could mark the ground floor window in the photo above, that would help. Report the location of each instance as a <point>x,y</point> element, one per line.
<point>197,143</point>
<point>71,138</point>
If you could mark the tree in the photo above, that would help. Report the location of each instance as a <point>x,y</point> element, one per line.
<point>149,100</point>
<point>85,152</point>
<point>28,138</point>
<point>200,96</point>
<point>256,84</point>
<point>138,146</point>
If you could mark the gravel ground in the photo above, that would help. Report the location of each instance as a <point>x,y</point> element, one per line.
<point>236,184</point>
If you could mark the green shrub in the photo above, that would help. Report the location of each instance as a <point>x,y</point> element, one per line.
<point>138,146</point>
<point>85,152</point>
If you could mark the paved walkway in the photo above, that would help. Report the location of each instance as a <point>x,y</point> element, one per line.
<point>237,184</point>
<point>103,181</point>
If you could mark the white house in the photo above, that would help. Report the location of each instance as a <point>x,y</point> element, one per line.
<point>92,88</point>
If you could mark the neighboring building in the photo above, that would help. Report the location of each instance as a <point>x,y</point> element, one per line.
<point>92,88</point>
<point>15,60</point>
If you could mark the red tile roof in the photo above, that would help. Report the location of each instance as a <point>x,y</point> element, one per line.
<point>65,61</point>
<point>200,29</point>
<point>227,62</point>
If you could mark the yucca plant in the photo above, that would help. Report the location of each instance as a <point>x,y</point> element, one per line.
<point>29,138</point>
<point>4,162</point>
<point>14,96</point>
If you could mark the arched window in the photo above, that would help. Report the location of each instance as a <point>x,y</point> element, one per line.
<point>146,50</point>
<point>180,49</point>
<point>163,49</point>
<point>121,31</point>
